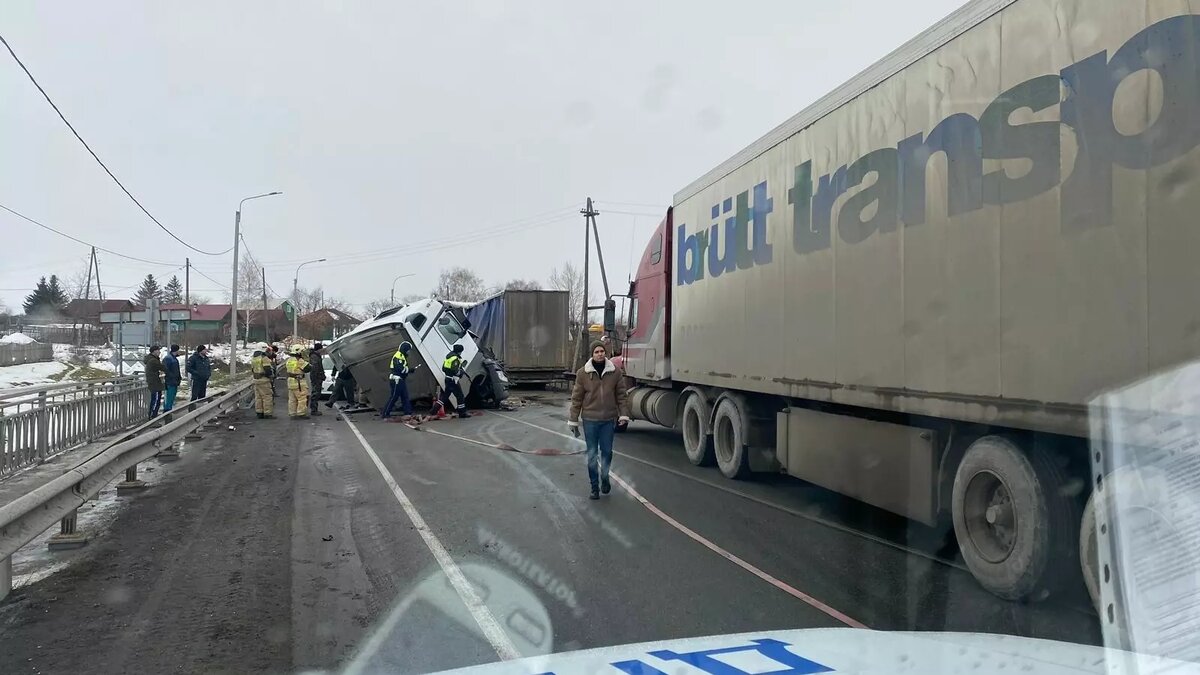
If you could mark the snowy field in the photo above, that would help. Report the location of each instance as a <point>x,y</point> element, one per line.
<point>71,362</point>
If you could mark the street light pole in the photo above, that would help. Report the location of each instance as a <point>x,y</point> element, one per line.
<point>296,296</point>
<point>237,235</point>
<point>394,286</point>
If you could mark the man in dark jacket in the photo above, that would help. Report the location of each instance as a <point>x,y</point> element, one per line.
<point>154,379</point>
<point>343,389</point>
<point>397,380</point>
<point>453,367</point>
<point>199,368</point>
<point>316,377</point>
<point>173,378</point>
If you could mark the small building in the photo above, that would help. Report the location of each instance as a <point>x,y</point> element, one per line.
<point>255,325</point>
<point>326,324</point>
<point>208,323</point>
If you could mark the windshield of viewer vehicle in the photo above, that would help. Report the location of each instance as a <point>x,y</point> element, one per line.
<point>629,337</point>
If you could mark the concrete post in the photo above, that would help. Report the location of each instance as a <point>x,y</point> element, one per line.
<point>43,427</point>
<point>6,577</point>
<point>131,482</point>
<point>68,536</point>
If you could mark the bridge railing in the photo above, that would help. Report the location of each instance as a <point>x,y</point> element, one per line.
<point>41,421</point>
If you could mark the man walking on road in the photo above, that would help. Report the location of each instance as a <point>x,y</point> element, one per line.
<point>172,378</point>
<point>154,379</point>
<point>297,381</point>
<point>398,381</point>
<point>452,369</point>
<point>599,401</point>
<point>317,376</point>
<point>263,372</point>
<point>199,368</point>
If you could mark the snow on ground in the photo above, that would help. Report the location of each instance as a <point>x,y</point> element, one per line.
<point>29,374</point>
<point>17,339</point>
<point>68,357</point>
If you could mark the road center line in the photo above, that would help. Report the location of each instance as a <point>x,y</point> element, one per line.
<point>483,616</point>
<point>783,586</point>
<point>778,507</point>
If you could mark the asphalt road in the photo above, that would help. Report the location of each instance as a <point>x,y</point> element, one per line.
<point>320,545</point>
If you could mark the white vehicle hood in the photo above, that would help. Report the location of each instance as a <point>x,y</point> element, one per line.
<point>843,650</point>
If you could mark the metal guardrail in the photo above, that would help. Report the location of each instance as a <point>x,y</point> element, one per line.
<point>37,422</point>
<point>24,518</point>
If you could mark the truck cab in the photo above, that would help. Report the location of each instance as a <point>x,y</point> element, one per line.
<point>646,356</point>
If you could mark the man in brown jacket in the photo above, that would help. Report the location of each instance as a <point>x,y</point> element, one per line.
<point>599,402</point>
<point>154,379</point>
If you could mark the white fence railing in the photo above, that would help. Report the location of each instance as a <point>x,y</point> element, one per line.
<point>37,422</point>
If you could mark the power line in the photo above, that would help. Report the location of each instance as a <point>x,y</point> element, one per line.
<point>528,222</point>
<point>601,202</point>
<point>219,284</point>
<point>78,240</point>
<point>97,157</point>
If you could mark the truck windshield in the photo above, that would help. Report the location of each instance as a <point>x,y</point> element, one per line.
<point>450,328</point>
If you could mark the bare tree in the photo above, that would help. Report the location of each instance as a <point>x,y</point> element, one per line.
<point>309,300</point>
<point>376,306</point>
<point>250,286</point>
<point>76,285</point>
<point>460,283</point>
<point>198,299</point>
<point>522,285</point>
<point>569,278</point>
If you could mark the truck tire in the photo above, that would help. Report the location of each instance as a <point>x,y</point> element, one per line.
<point>697,439</point>
<point>1011,518</point>
<point>729,444</point>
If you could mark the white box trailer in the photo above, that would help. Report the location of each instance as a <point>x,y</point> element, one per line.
<point>910,291</point>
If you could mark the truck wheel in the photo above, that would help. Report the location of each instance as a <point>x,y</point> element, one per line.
<point>729,441</point>
<point>1009,517</point>
<point>697,442</point>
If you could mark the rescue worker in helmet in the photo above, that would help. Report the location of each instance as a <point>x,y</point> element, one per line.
<point>263,371</point>
<point>297,381</point>
<point>398,381</point>
<point>453,368</point>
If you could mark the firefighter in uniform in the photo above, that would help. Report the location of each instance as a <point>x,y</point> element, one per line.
<point>263,371</point>
<point>297,381</point>
<point>454,368</point>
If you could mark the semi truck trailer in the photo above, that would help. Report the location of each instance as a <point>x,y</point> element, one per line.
<point>909,292</point>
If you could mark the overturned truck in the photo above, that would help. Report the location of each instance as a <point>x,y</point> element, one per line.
<point>433,328</point>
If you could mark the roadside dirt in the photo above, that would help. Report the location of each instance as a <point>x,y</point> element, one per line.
<point>198,581</point>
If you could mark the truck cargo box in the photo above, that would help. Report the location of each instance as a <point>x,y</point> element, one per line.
<point>991,224</point>
<point>528,331</point>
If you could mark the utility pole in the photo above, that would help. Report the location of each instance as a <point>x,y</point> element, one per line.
<point>266,321</point>
<point>588,214</point>
<point>187,300</point>
<point>237,235</point>
<point>87,294</point>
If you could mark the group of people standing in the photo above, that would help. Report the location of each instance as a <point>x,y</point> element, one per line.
<point>163,376</point>
<point>304,371</point>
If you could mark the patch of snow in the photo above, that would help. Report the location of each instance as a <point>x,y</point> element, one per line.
<point>17,339</point>
<point>29,374</point>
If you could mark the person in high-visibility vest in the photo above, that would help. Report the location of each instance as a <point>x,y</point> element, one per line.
<point>297,381</point>
<point>397,380</point>
<point>263,371</point>
<point>453,368</point>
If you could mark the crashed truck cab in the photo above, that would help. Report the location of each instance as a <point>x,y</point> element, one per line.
<point>433,327</point>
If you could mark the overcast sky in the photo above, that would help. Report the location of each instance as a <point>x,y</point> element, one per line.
<point>394,127</point>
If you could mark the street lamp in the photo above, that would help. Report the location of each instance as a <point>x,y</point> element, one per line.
<point>237,235</point>
<point>296,296</point>
<point>394,286</point>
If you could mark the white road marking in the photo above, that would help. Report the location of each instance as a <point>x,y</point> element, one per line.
<point>492,631</point>
<point>699,538</point>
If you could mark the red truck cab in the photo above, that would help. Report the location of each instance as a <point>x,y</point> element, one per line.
<point>647,352</point>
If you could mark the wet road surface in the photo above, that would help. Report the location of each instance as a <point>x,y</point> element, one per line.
<point>326,544</point>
